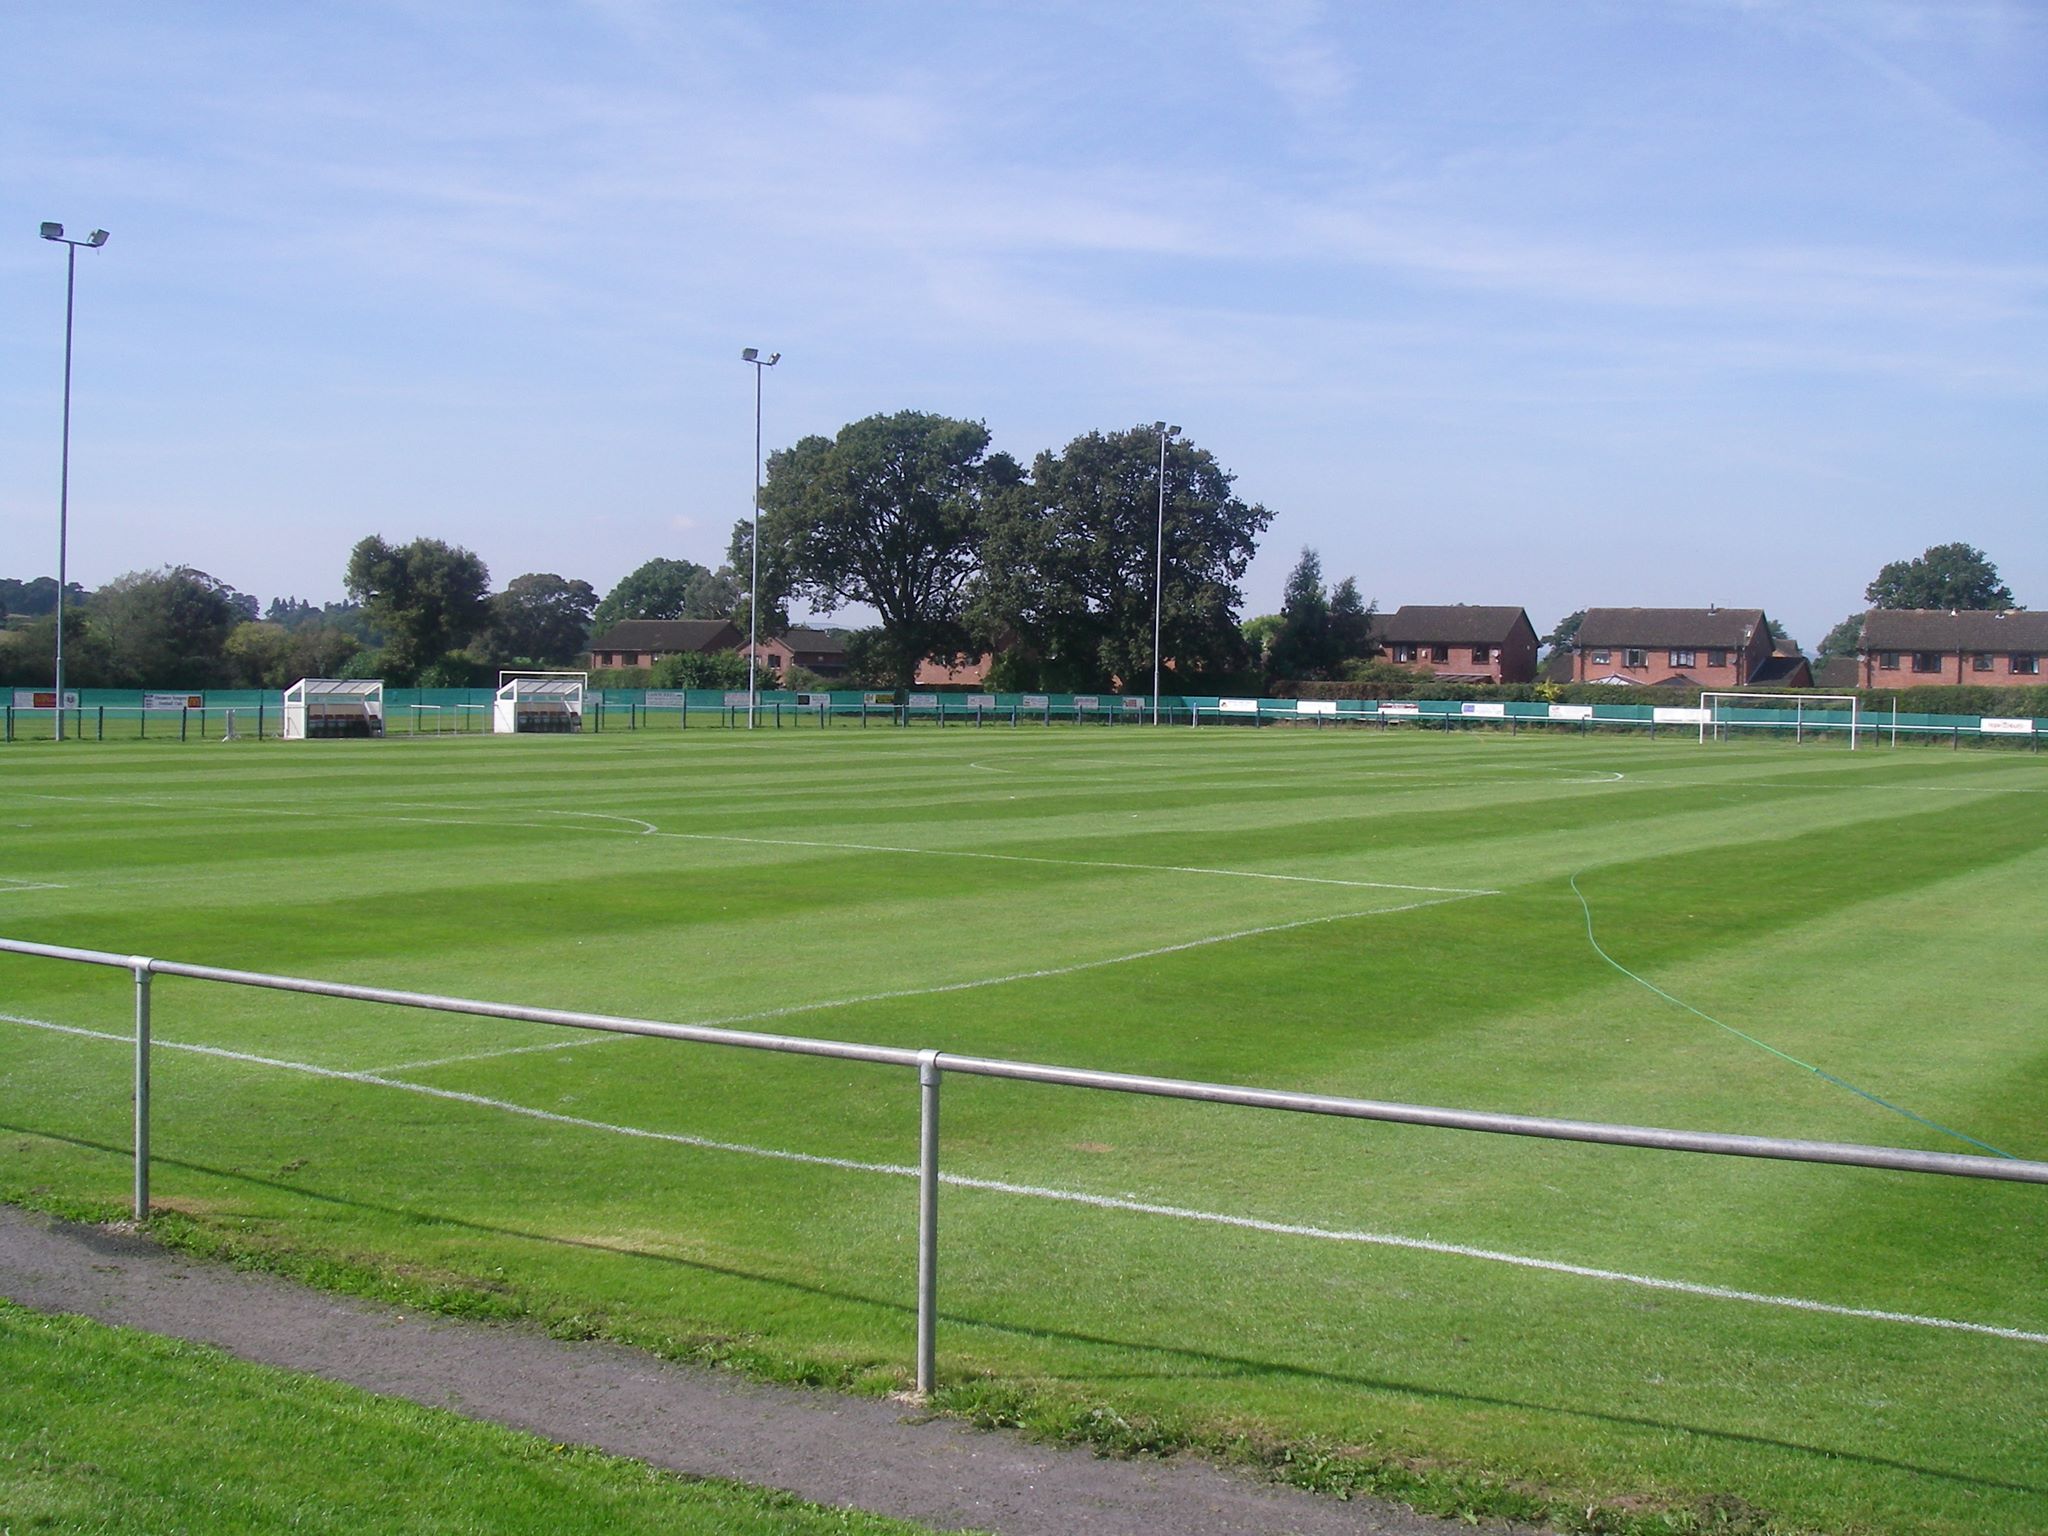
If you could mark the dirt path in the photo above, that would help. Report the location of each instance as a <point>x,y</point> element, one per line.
<point>825,1447</point>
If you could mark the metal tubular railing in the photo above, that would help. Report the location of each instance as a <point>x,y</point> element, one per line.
<point>932,1065</point>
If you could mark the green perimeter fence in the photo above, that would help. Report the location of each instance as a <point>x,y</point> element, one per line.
<point>258,714</point>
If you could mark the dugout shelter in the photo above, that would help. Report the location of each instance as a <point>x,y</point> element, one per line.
<point>327,708</point>
<point>544,703</point>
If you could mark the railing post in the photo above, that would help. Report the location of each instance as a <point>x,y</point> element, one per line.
<point>141,1087</point>
<point>927,1221</point>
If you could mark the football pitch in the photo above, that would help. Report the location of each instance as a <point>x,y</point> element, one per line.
<point>1754,938</point>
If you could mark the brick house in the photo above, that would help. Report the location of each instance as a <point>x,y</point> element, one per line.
<point>1461,643</point>
<point>1914,647</point>
<point>643,642</point>
<point>1680,648</point>
<point>822,651</point>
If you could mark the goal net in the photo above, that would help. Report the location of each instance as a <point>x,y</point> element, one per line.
<point>1796,714</point>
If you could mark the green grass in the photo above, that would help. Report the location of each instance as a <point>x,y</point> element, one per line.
<point>106,1429</point>
<point>1877,915</point>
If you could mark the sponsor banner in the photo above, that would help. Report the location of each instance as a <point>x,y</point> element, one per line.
<point>813,700</point>
<point>1131,704</point>
<point>1399,707</point>
<point>658,698</point>
<point>1087,701</point>
<point>1037,701</point>
<point>1571,711</point>
<point>170,701</point>
<point>1489,711</point>
<point>878,698</point>
<point>981,701</point>
<point>1998,727</point>
<point>1238,706</point>
<point>1315,706</point>
<point>738,700</point>
<point>1681,716</point>
<point>924,701</point>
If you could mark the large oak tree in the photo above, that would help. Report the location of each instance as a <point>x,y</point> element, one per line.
<point>891,513</point>
<point>1073,559</point>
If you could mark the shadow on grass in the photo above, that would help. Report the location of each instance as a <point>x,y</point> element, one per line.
<point>1219,1365</point>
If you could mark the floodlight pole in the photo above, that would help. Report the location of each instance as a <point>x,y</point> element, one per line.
<point>1159,562</point>
<point>93,241</point>
<point>753,355</point>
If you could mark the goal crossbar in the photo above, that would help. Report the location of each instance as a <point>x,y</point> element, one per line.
<point>1814,711</point>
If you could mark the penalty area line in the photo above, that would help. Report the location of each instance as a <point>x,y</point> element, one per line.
<point>1098,1202</point>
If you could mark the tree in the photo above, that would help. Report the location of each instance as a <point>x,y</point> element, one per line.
<point>669,589</point>
<point>38,596</point>
<point>889,513</point>
<point>1302,649</point>
<point>1945,576</point>
<point>426,597</point>
<point>1845,639</point>
<point>542,619</point>
<point>167,628</point>
<point>1561,638</point>
<point>1073,563</point>
<point>700,669</point>
<point>1351,623</point>
<point>258,654</point>
<point>28,656</point>
<point>1259,633</point>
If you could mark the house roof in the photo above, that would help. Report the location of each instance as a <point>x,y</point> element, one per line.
<point>815,642</point>
<point>1683,628</point>
<point>667,637</point>
<point>1940,629</point>
<point>1838,672</point>
<point>1785,670</point>
<point>1450,624</point>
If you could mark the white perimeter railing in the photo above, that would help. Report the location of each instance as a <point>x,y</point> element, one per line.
<point>932,1065</point>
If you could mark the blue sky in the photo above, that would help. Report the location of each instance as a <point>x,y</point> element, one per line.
<point>1502,301</point>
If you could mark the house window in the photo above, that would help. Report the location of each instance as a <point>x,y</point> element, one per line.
<point>1404,653</point>
<point>1439,653</point>
<point>1482,654</point>
<point>1718,659</point>
<point>2027,666</point>
<point>1981,662</point>
<point>1887,661</point>
<point>1926,661</point>
<point>1603,658</point>
<point>1685,658</point>
<point>1635,658</point>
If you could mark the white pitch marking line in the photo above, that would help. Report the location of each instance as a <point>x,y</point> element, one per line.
<point>792,1009</point>
<point>649,830</point>
<point>9,886</point>
<point>1081,1197</point>
<point>1032,858</point>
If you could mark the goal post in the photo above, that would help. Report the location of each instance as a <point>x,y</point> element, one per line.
<point>1820,712</point>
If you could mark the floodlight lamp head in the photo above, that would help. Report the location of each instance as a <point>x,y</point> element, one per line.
<point>1173,431</point>
<point>748,354</point>
<point>52,231</point>
<point>96,239</point>
<point>774,358</point>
